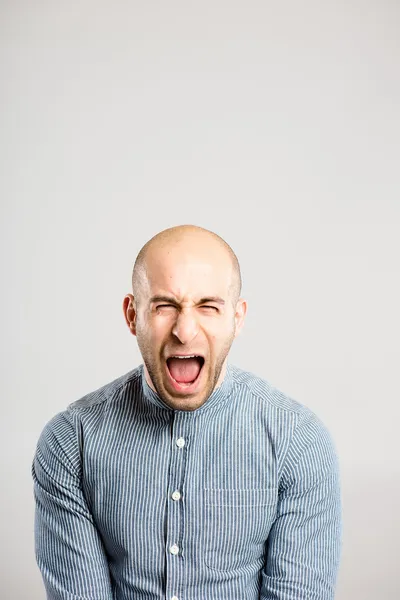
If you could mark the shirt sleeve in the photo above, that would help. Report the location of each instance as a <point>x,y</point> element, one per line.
<point>304,544</point>
<point>68,547</point>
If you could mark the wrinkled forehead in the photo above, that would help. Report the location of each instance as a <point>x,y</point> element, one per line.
<point>186,274</point>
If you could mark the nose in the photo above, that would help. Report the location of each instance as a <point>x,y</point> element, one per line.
<point>185,327</point>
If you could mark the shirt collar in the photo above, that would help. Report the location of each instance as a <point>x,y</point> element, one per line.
<point>219,394</point>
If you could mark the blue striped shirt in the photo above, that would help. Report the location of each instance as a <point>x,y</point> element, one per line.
<point>237,500</point>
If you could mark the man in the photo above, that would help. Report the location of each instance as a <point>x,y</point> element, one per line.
<point>187,478</point>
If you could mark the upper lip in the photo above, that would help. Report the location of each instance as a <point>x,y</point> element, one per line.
<point>180,354</point>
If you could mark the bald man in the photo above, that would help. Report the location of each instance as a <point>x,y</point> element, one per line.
<point>187,478</point>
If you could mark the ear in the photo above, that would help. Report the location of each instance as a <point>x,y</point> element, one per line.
<point>240,313</point>
<point>129,310</point>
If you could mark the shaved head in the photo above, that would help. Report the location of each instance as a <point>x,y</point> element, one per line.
<point>186,238</point>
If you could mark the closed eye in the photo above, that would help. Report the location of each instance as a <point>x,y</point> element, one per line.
<point>209,307</point>
<point>165,306</point>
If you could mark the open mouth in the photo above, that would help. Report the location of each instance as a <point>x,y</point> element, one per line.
<point>185,370</point>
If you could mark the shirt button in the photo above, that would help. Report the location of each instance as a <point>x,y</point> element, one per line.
<point>180,442</point>
<point>174,598</point>
<point>176,495</point>
<point>174,549</point>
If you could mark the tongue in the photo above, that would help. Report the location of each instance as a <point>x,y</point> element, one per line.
<point>184,370</point>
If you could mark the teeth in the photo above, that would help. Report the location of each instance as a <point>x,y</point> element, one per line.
<point>193,356</point>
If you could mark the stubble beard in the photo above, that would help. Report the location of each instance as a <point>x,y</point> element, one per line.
<point>154,369</point>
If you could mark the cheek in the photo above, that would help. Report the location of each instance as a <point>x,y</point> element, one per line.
<point>158,329</point>
<point>220,332</point>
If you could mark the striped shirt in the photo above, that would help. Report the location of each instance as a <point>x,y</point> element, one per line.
<point>237,500</point>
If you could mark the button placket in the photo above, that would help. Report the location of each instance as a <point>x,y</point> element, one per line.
<point>180,433</point>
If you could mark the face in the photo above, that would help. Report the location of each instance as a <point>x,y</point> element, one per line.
<point>185,321</point>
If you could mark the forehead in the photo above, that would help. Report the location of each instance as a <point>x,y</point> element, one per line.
<point>188,274</point>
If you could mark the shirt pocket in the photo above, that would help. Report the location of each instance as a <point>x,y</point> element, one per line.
<point>236,526</point>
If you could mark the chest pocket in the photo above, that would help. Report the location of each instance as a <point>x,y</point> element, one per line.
<point>236,526</point>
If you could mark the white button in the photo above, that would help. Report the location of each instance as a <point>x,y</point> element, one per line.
<point>174,598</point>
<point>180,442</point>
<point>176,495</point>
<point>174,549</point>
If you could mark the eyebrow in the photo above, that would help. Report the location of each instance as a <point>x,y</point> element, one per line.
<point>171,300</point>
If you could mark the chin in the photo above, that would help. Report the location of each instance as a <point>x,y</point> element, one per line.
<point>185,403</point>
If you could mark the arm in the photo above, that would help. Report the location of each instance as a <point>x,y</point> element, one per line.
<point>69,550</point>
<point>304,544</point>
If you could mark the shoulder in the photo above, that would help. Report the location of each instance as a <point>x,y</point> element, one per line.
<point>107,393</point>
<point>291,422</point>
<point>263,392</point>
<point>63,430</point>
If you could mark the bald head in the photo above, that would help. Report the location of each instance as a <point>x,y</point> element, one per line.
<point>190,240</point>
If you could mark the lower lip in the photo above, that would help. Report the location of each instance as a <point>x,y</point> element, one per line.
<point>184,388</point>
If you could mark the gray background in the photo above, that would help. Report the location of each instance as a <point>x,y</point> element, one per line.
<point>275,124</point>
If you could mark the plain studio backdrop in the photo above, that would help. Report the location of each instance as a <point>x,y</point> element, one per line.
<point>275,124</point>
